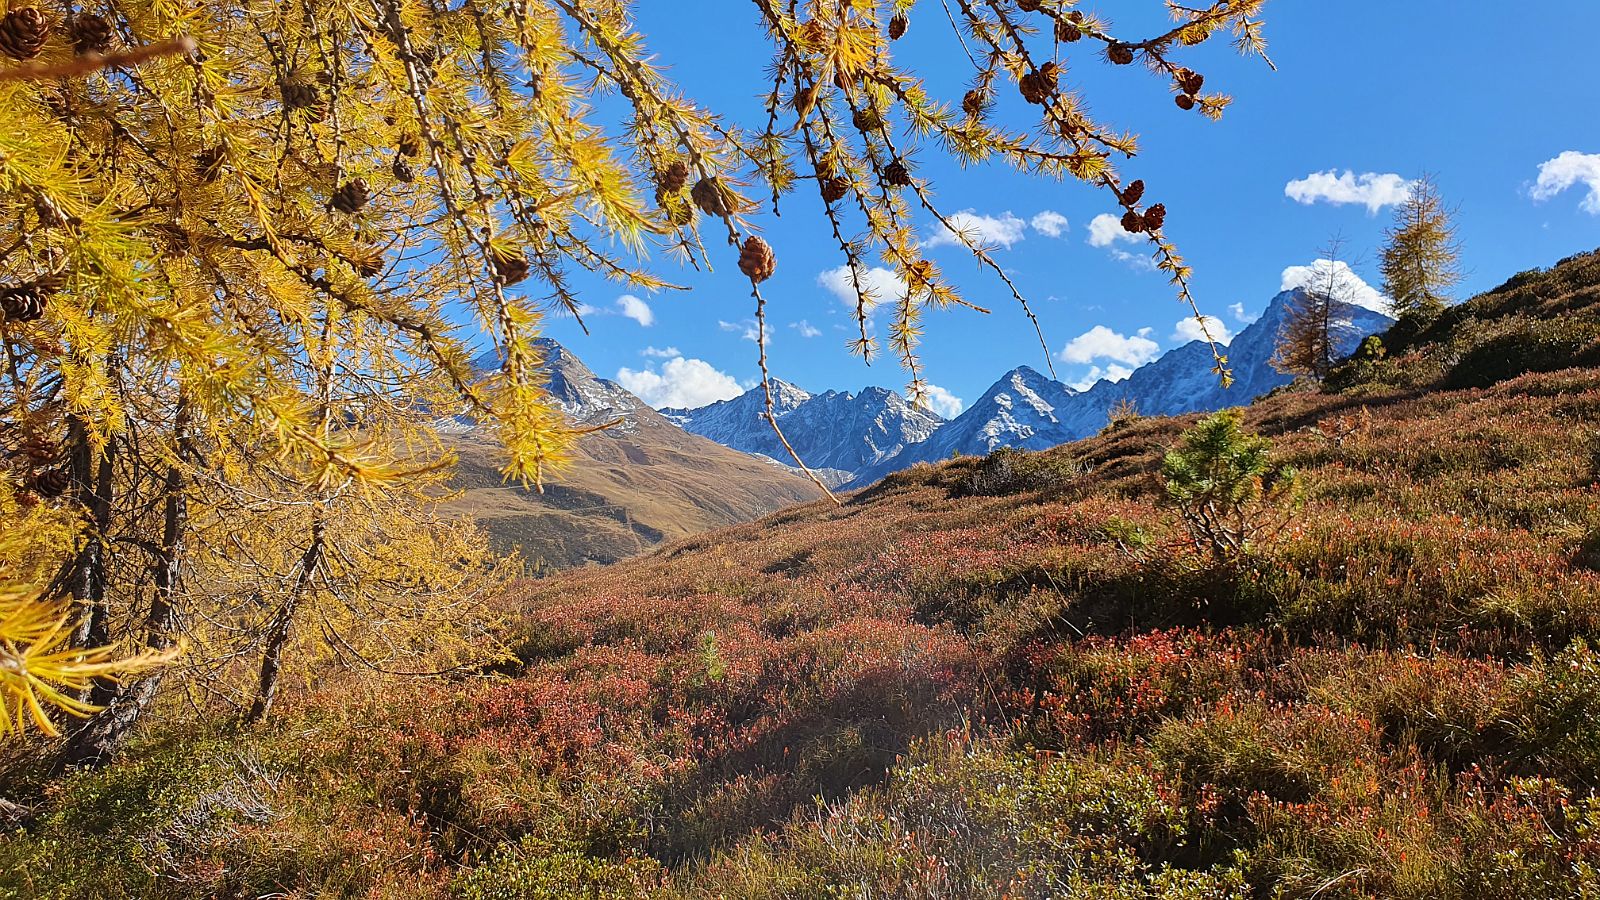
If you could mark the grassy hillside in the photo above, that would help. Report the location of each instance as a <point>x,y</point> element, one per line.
<point>630,488</point>
<point>991,678</point>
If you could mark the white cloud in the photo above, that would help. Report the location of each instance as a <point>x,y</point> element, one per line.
<point>1106,229</point>
<point>1238,313</point>
<point>680,382</point>
<point>942,401</point>
<point>1346,285</point>
<point>1372,190</point>
<point>660,352</point>
<point>881,285</point>
<point>989,231</point>
<point>1101,342</point>
<point>1096,374</point>
<point>1188,329</point>
<point>747,329</point>
<point>1050,223</point>
<point>806,329</point>
<point>636,309</point>
<point>1567,170</point>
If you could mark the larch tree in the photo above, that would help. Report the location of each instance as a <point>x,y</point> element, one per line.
<point>1422,258</point>
<point>1316,324</point>
<point>246,251</point>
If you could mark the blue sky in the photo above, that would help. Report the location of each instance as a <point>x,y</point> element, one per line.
<point>1380,89</point>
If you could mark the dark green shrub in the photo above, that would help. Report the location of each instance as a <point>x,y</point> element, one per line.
<point>1007,471</point>
<point>1527,346</point>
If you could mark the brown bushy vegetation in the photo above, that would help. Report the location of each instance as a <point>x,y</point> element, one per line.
<point>937,691</point>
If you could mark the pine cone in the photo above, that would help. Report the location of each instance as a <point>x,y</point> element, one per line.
<point>351,196</point>
<point>410,144</point>
<point>1068,33</point>
<point>509,267</point>
<point>402,170</point>
<point>1029,5</point>
<point>834,188</point>
<point>897,27</point>
<point>1132,222</point>
<point>1190,81</point>
<point>756,259</point>
<point>867,119</point>
<point>674,176</point>
<point>1037,86</point>
<point>26,302</point>
<point>897,174</point>
<point>1120,54</point>
<point>51,482</point>
<point>1133,192</point>
<point>972,103</point>
<point>39,448</point>
<point>1155,217</point>
<point>23,33</point>
<point>712,198</point>
<point>1184,101</point>
<point>299,93</point>
<point>92,34</point>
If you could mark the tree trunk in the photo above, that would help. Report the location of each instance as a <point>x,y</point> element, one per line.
<point>282,625</point>
<point>99,738</point>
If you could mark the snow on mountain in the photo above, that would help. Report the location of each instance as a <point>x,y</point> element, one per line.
<point>1028,411</point>
<point>583,396</point>
<point>835,430</point>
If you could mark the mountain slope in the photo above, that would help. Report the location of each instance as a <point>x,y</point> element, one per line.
<point>1028,411</point>
<point>632,486</point>
<point>1034,691</point>
<point>836,430</point>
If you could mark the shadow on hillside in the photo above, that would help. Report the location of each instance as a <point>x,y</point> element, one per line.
<point>844,743</point>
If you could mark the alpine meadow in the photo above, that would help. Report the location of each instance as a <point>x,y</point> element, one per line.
<point>330,567</point>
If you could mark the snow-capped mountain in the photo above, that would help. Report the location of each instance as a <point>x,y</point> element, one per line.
<point>875,432</point>
<point>585,398</point>
<point>836,430</point>
<point>1029,411</point>
<point>633,485</point>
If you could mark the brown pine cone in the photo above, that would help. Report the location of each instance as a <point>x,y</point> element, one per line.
<point>1184,101</point>
<point>39,448</point>
<point>756,259</point>
<point>712,198</point>
<point>51,482</point>
<point>92,34</point>
<point>897,27</point>
<point>1132,222</point>
<point>867,119</point>
<point>674,176</point>
<point>897,174</point>
<point>1068,33</point>
<point>299,93</point>
<point>1120,54</point>
<point>1133,192</point>
<point>402,170</point>
<point>351,196</point>
<point>1155,217</point>
<point>410,144</point>
<point>972,103</point>
<point>509,267</point>
<point>25,302</point>
<point>1190,81</point>
<point>23,33</point>
<point>1029,5</point>
<point>834,188</point>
